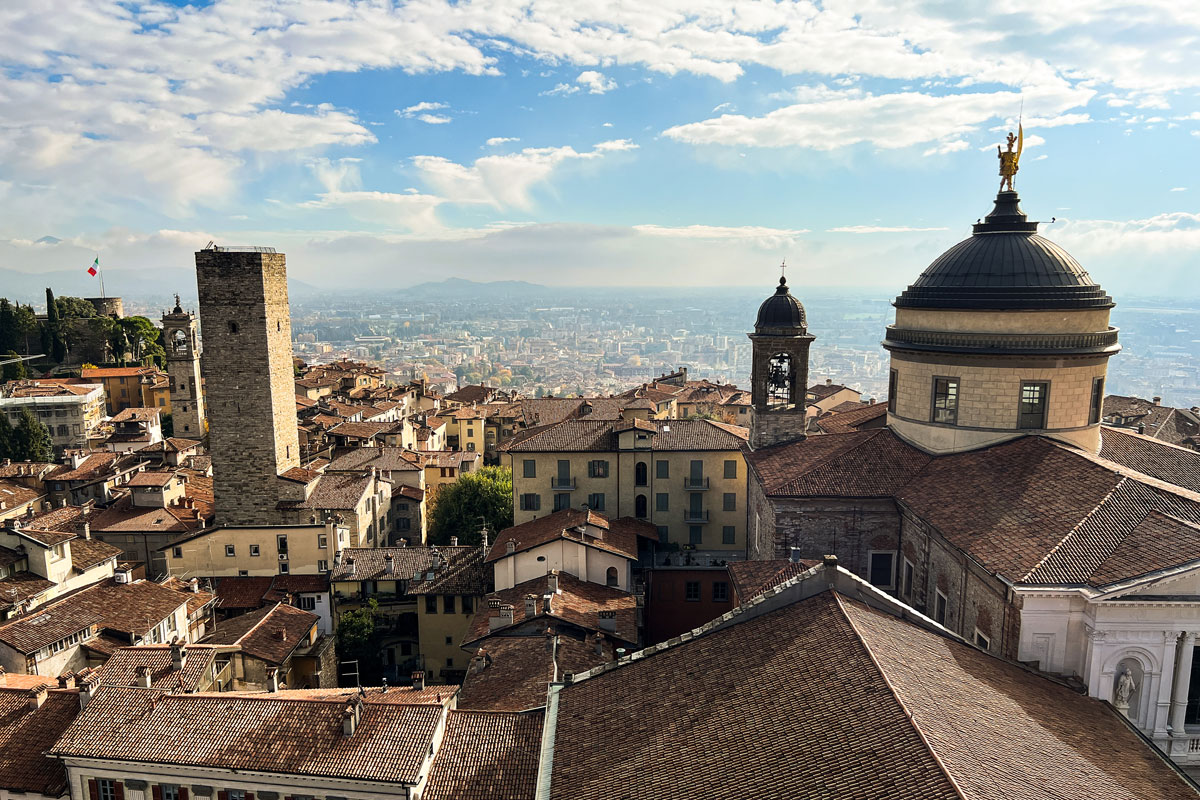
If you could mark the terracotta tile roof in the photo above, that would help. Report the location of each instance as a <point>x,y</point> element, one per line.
<point>583,435</point>
<point>66,519</point>
<point>862,704</point>
<point>152,479</point>
<point>1178,426</point>
<point>520,668</point>
<point>123,515</point>
<point>15,494</point>
<point>337,492</point>
<point>361,430</point>
<point>300,584</point>
<point>300,475</point>
<point>25,736</point>
<point>21,586</point>
<point>411,492</point>
<point>858,417</point>
<point>48,389</point>
<point>1166,462</point>
<point>95,466</point>
<point>136,414</point>
<point>19,468</point>
<point>822,390</point>
<point>270,634</point>
<point>565,524</point>
<point>44,537</point>
<point>487,756</point>
<point>121,668</point>
<point>265,733</point>
<point>751,578</point>
<point>464,573</point>
<point>370,563</point>
<point>197,600</point>
<point>9,556</point>
<point>472,394</point>
<point>577,602</point>
<point>244,591</point>
<point>432,695</point>
<point>383,458</point>
<point>864,464</point>
<point>87,553</point>
<point>115,372</point>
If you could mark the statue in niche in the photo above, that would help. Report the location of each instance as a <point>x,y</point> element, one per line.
<point>1124,690</point>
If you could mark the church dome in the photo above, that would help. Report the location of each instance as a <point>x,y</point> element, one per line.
<point>781,312</point>
<point>1005,265</point>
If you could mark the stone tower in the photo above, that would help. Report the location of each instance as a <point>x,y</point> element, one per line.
<point>1003,335</point>
<point>779,370</point>
<point>183,368</point>
<point>248,378</point>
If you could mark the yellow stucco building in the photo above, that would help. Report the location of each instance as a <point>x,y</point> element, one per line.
<point>257,550</point>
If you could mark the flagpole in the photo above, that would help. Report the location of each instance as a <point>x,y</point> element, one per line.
<point>101,271</point>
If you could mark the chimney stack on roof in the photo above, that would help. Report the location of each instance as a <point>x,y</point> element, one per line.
<point>510,546</point>
<point>598,640</point>
<point>389,564</point>
<point>350,568</point>
<point>178,653</point>
<point>1158,401</point>
<point>552,582</point>
<point>454,541</point>
<point>418,680</point>
<point>503,619</point>
<point>66,680</point>
<point>143,673</point>
<point>530,606</point>
<point>3,677</point>
<point>350,716</point>
<point>37,697</point>
<point>272,679</point>
<point>281,634</point>
<point>607,621</point>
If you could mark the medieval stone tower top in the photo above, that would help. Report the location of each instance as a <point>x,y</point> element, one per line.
<point>183,368</point>
<point>779,369</point>
<point>248,374</point>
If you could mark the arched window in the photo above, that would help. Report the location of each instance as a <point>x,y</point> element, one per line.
<point>639,476</point>
<point>639,506</point>
<point>610,577</point>
<point>179,342</point>
<point>233,327</point>
<point>779,380</point>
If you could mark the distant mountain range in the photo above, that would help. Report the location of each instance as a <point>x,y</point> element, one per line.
<point>30,287</point>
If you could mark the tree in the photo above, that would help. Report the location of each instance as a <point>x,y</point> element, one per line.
<point>69,307</point>
<point>458,507</point>
<point>8,326</point>
<point>31,439</point>
<point>168,426</point>
<point>358,640</point>
<point>6,438</point>
<point>57,343</point>
<point>26,324</point>
<point>15,370</point>
<point>142,337</point>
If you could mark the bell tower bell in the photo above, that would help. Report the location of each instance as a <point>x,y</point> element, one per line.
<point>779,371</point>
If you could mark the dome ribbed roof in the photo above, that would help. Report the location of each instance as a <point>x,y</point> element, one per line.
<point>781,311</point>
<point>1005,265</point>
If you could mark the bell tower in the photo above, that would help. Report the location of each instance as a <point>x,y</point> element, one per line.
<point>779,369</point>
<point>183,369</point>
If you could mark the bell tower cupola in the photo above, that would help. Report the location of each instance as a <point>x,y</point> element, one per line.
<point>779,369</point>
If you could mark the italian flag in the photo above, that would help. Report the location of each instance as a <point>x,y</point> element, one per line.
<point>95,267</point>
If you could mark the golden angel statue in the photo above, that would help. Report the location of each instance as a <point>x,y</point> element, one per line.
<point>1009,160</point>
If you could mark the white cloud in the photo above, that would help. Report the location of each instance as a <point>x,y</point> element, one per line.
<point>433,119</point>
<point>560,88</point>
<point>1179,189</point>
<point>420,112</point>
<point>952,146</point>
<point>831,119</point>
<point>606,125</point>
<point>499,140</point>
<point>595,82</point>
<point>882,229</point>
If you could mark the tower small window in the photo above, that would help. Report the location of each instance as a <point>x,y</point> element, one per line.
<point>1033,405</point>
<point>893,380</point>
<point>945,400</point>
<point>233,327</point>
<point>1097,409</point>
<point>779,380</point>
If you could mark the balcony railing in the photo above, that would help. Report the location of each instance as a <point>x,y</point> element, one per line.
<point>695,484</point>
<point>692,515</point>
<point>563,484</point>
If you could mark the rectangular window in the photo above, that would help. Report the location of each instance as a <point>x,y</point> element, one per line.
<point>1097,410</point>
<point>730,469</point>
<point>529,468</point>
<point>1033,405</point>
<point>695,534</point>
<point>893,381</point>
<point>283,568</point>
<point>882,572</point>
<point>564,471</point>
<point>597,469</point>
<point>691,591</point>
<point>663,532</point>
<point>596,501</point>
<point>531,502</point>
<point>945,400</point>
<point>431,604</point>
<point>728,534</point>
<point>696,471</point>
<point>720,592</point>
<point>169,791</point>
<point>229,551</point>
<point>939,608</point>
<point>662,501</point>
<point>322,566</point>
<point>254,549</point>
<point>177,552</point>
<point>729,501</point>
<point>468,604</point>
<point>562,500</point>
<point>662,469</point>
<point>106,788</point>
<point>236,794</point>
<point>908,578</point>
<point>403,524</point>
<point>981,641</point>
<point>322,541</point>
<point>448,604</point>
<point>306,603</point>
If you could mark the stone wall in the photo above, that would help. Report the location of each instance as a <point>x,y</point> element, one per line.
<point>779,424</point>
<point>183,369</point>
<point>248,373</point>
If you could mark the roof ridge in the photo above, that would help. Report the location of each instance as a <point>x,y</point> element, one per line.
<point>261,620</point>
<point>835,453</point>
<point>896,695</point>
<point>1129,472</point>
<point>1071,533</point>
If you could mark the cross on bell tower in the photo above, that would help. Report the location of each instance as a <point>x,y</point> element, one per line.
<point>779,373</point>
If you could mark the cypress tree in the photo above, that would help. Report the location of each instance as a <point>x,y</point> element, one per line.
<point>15,370</point>
<point>8,326</point>
<point>31,439</point>
<point>58,345</point>
<point>6,437</point>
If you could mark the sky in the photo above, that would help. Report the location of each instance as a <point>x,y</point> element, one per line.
<point>690,142</point>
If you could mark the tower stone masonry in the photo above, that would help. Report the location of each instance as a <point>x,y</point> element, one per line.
<point>183,368</point>
<point>248,376</point>
<point>779,370</point>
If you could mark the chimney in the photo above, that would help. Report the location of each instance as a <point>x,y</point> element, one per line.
<point>829,381</point>
<point>552,582</point>
<point>598,640</point>
<point>503,619</point>
<point>273,680</point>
<point>1141,428</point>
<point>37,697</point>
<point>608,622</point>
<point>454,541</point>
<point>143,673</point>
<point>510,547</point>
<point>418,680</point>
<point>280,635</point>
<point>350,716</point>
<point>66,680</point>
<point>350,568</point>
<point>1158,401</point>
<point>389,564</point>
<point>481,660</point>
<point>85,694</point>
<point>194,586</point>
<point>86,531</point>
<point>437,560</point>
<point>178,654</point>
<point>830,561</point>
<point>530,606</point>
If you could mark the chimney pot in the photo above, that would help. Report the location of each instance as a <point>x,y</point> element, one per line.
<point>418,680</point>
<point>552,582</point>
<point>1158,401</point>
<point>143,673</point>
<point>37,697</point>
<point>530,606</point>
<point>454,541</point>
<point>830,561</point>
